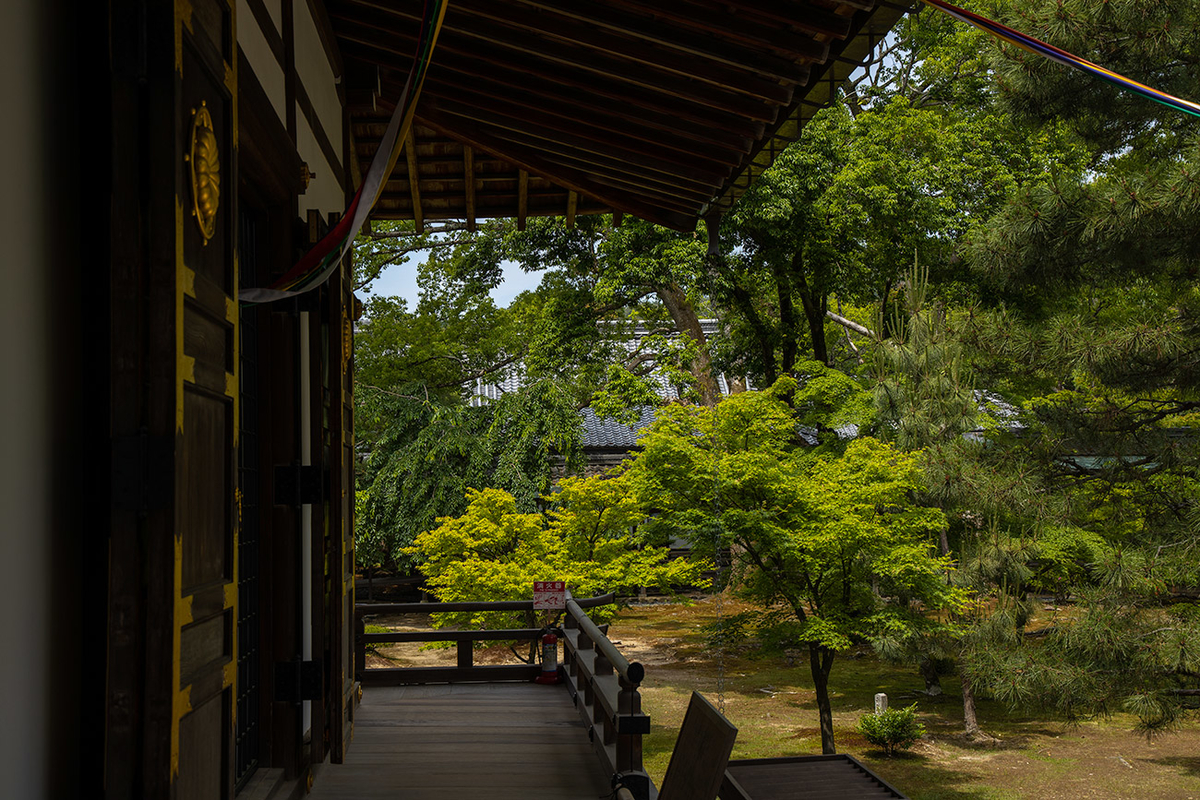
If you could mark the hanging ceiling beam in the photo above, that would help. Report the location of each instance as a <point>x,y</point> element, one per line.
<point>522,198</point>
<point>414,179</point>
<point>469,178</point>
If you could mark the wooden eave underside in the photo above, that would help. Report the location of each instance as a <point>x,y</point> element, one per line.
<point>665,110</point>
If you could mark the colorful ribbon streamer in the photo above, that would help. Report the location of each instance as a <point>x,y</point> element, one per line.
<point>319,263</point>
<point>1053,53</point>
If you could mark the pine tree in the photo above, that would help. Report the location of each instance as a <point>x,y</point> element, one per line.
<point>927,402</point>
<point>1094,323</point>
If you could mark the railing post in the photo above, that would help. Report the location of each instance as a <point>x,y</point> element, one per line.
<point>629,743</point>
<point>570,662</point>
<point>603,667</point>
<point>466,654</point>
<point>589,691</point>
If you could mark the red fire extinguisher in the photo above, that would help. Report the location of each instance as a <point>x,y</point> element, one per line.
<point>549,673</point>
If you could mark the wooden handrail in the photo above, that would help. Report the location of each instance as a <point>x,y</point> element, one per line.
<point>632,672</point>
<point>465,669</point>
<point>604,686</point>
<point>470,605</point>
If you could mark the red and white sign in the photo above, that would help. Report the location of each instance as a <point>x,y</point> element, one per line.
<point>549,594</point>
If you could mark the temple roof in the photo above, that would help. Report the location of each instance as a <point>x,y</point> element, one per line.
<point>663,110</point>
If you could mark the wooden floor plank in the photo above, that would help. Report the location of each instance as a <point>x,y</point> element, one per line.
<point>496,740</point>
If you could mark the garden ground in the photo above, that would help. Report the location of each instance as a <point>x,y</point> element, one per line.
<point>772,703</point>
<point>769,697</point>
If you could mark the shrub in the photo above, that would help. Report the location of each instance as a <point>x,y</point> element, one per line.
<point>373,647</point>
<point>896,728</point>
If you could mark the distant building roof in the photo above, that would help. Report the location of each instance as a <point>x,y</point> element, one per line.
<point>608,434</point>
<point>514,377</point>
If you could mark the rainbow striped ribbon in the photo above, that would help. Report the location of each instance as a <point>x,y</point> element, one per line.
<point>1053,53</point>
<point>319,263</point>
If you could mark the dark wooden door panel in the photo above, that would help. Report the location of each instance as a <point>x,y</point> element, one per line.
<point>207,512</point>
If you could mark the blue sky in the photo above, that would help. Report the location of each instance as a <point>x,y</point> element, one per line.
<point>401,281</point>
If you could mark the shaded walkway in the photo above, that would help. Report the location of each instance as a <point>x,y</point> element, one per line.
<point>493,740</point>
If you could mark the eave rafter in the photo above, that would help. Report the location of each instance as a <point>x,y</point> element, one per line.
<point>532,107</point>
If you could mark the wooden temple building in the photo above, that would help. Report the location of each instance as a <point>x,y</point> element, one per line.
<point>178,562</point>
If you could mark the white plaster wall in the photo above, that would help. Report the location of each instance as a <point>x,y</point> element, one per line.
<point>25,745</point>
<point>262,60</point>
<point>315,72</point>
<point>275,9</point>
<point>324,191</point>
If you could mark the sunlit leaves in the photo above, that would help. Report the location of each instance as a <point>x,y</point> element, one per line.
<point>588,538</point>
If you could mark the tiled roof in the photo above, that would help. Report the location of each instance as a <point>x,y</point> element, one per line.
<point>512,379</point>
<point>600,432</point>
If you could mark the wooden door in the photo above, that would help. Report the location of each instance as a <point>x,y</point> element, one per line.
<point>173,400</point>
<point>207,502</point>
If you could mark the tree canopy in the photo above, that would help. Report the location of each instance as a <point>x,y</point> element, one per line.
<point>1006,429</point>
<point>829,536</point>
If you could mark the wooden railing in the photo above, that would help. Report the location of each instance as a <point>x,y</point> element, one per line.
<point>604,686</point>
<point>465,670</point>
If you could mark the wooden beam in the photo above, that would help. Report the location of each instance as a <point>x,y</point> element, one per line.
<point>469,184</point>
<point>649,30</point>
<point>617,217</point>
<point>522,198</point>
<point>589,121</point>
<point>414,179</point>
<point>354,166</point>
<point>597,27</point>
<point>579,132</point>
<point>799,16</point>
<point>863,26</point>
<point>570,179</point>
<point>616,55</point>
<point>517,149</point>
<point>572,206</point>
<point>514,145</point>
<point>363,84</point>
<point>672,164</point>
<point>640,105</point>
<point>733,28</point>
<point>723,88</point>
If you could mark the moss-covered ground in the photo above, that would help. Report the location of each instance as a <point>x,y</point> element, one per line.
<point>769,697</point>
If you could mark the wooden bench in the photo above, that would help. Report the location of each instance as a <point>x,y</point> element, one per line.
<point>831,777</point>
<point>697,765</point>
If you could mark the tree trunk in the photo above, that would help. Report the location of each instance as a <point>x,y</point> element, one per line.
<point>715,264</point>
<point>821,662</point>
<point>788,334</point>
<point>970,721</point>
<point>933,684</point>
<point>885,319</point>
<point>815,303</point>
<point>686,321</point>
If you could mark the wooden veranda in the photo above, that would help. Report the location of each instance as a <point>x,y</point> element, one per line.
<point>487,729</point>
<point>494,740</point>
<point>475,730</point>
